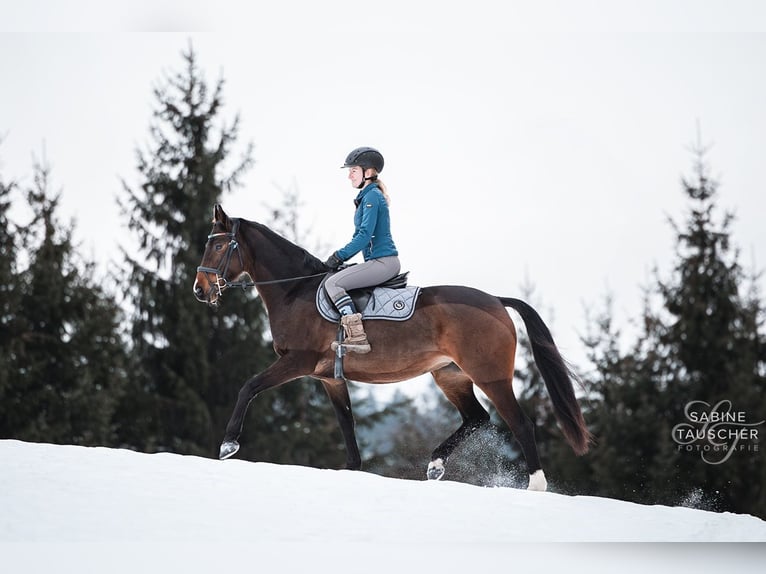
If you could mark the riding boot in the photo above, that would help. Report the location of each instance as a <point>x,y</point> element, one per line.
<point>356,339</point>
<point>351,320</point>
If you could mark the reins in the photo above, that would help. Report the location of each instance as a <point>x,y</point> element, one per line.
<point>222,269</point>
<point>287,280</point>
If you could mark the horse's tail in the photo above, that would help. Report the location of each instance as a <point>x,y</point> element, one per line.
<point>556,374</point>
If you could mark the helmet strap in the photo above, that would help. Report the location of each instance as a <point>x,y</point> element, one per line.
<point>366,179</point>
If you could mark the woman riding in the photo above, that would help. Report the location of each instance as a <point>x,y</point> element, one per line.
<point>372,236</point>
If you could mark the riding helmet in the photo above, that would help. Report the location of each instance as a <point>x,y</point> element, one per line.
<point>365,157</point>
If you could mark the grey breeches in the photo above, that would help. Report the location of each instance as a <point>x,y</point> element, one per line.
<point>365,274</point>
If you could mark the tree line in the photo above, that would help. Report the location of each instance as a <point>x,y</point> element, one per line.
<point>145,366</point>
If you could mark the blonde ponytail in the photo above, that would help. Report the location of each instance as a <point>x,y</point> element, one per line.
<point>381,185</point>
<point>383,189</point>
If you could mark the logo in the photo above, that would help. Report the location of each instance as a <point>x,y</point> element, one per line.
<point>399,305</point>
<point>716,431</point>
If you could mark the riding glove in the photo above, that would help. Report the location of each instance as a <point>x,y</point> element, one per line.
<point>333,262</point>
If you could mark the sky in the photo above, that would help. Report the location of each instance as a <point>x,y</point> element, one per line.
<point>525,143</point>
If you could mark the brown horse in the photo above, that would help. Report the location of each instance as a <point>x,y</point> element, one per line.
<point>462,336</point>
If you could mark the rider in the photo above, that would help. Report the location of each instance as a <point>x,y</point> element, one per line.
<point>372,236</point>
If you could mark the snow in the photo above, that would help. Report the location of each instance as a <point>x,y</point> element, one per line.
<point>76,509</point>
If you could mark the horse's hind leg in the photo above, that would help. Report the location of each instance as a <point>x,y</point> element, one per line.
<point>337,390</point>
<point>500,392</point>
<point>458,388</point>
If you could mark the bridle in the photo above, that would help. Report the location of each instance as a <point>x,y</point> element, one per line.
<point>223,267</point>
<point>221,283</point>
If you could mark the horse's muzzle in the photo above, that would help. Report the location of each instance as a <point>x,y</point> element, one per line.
<point>210,297</point>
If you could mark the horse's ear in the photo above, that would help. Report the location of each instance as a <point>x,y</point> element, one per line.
<point>219,215</point>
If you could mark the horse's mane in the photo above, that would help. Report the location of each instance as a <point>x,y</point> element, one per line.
<point>291,250</point>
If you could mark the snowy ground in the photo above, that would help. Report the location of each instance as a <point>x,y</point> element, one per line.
<point>73,509</point>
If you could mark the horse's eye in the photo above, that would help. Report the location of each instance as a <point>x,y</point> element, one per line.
<point>218,247</point>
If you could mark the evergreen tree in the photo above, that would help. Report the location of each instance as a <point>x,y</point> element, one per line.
<point>623,406</point>
<point>66,362</point>
<point>187,362</point>
<point>704,342</point>
<point>712,343</point>
<point>9,293</point>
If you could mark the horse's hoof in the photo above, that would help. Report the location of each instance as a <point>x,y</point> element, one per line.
<point>228,449</point>
<point>435,469</point>
<point>537,481</point>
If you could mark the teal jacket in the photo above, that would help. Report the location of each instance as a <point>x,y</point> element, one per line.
<point>373,227</point>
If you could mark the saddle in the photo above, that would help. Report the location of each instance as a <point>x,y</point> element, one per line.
<point>392,300</point>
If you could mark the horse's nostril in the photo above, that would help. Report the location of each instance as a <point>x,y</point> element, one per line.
<point>198,291</point>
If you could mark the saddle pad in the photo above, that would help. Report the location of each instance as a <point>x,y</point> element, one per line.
<point>385,303</point>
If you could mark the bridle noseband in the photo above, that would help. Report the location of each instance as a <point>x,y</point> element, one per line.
<point>223,267</point>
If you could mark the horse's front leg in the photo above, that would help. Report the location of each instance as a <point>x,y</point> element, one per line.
<point>337,390</point>
<point>288,367</point>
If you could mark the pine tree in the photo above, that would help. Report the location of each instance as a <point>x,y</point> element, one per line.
<point>701,339</point>
<point>623,406</point>
<point>9,293</point>
<point>187,362</point>
<point>66,361</point>
<point>712,340</point>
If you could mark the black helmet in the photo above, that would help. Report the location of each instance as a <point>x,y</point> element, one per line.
<point>365,157</point>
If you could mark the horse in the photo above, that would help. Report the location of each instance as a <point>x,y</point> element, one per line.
<point>463,336</point>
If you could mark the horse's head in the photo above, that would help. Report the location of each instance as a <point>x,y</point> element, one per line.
<point>222,264</point>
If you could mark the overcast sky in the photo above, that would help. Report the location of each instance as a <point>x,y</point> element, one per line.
<point>540,140</point>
